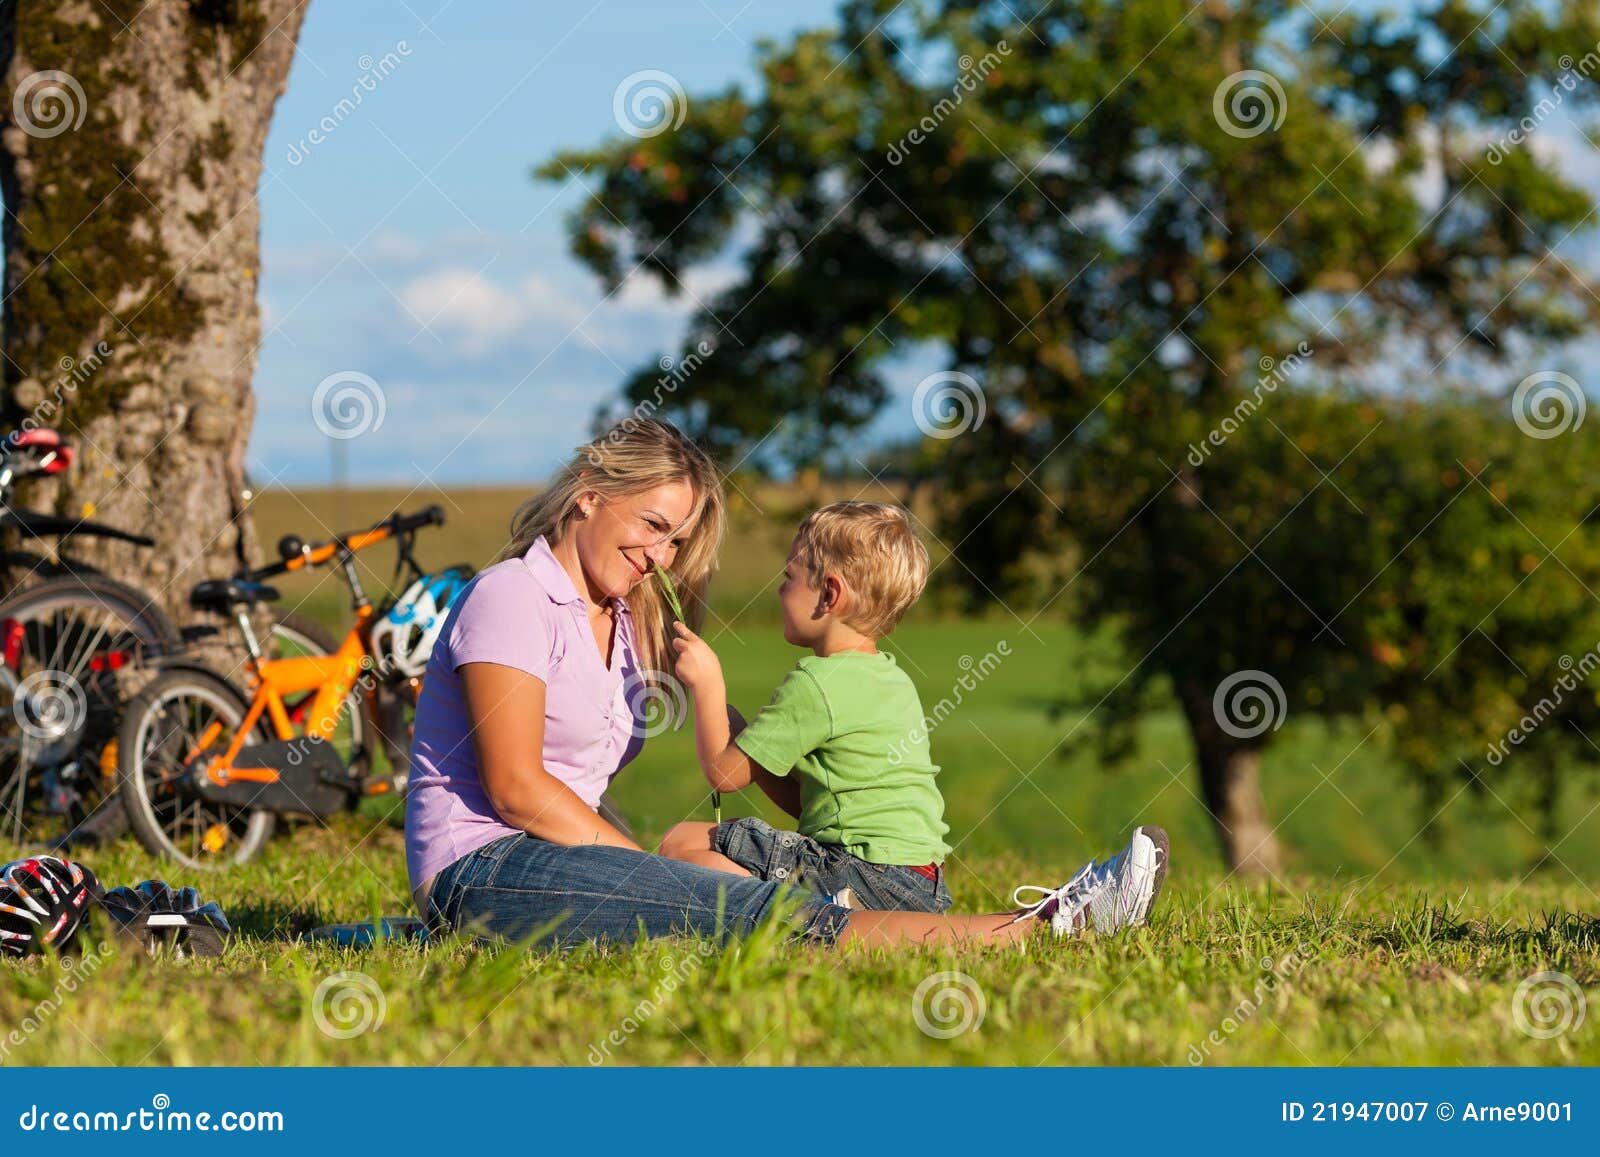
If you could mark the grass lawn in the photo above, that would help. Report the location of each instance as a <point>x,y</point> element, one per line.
<point>1359,973</point>
<point>1387,942</point>
<point>1380,947</point>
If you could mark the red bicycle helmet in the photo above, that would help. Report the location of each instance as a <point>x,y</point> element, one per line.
<point>43,903</point>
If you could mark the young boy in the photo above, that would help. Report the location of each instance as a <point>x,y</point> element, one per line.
<point>871,826</point>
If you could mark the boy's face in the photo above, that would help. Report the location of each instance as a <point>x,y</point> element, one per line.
<point>804,620</point>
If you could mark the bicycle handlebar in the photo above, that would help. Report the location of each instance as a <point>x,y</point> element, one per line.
<point>297,555</point>
<point>427,516</point>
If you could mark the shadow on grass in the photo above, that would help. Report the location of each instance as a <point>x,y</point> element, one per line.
<point>270,922</point>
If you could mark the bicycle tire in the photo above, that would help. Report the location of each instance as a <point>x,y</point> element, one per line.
<point>312,635</point>
<point>142,780</point>
<point>63,624</point>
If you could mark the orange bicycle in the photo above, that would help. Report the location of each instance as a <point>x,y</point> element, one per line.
<point>205,769</point>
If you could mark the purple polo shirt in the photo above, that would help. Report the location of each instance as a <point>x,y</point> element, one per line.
<point>523,613</point>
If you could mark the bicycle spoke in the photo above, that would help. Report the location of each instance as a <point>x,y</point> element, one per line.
<point>86,652</point>
<point>17,787</point>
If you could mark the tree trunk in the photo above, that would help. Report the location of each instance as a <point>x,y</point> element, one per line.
<point>131,139</point>
<point>1230,786</point>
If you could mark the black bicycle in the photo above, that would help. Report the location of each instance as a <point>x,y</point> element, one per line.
<point>69,640</point>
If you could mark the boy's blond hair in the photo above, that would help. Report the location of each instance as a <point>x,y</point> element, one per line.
<point>872,547</point>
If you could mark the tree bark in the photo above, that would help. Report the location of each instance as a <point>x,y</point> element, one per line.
<point>131,139</point>
<point>1230,786</point>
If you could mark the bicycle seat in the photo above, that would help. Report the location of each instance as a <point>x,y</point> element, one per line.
<point>224,594</point>
<point>40,436</point>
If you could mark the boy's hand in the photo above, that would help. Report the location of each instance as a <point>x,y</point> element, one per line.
<point>697,664</point>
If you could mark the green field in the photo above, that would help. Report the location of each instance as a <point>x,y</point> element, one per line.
<point>1381,945</point>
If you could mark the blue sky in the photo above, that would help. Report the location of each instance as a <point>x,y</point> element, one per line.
<point>412,244</point>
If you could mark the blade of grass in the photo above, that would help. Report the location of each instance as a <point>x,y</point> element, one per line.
<point>671,592</point>
<point>677,613</point>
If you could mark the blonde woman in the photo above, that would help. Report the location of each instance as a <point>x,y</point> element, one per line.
<point>528,712</point>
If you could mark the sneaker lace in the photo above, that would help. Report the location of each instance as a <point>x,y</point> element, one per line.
<point>1080,884</point>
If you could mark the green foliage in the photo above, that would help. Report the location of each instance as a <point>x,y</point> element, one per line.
<point>1120,237</point>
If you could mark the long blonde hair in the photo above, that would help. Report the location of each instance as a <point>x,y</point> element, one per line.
<point>635,455</point>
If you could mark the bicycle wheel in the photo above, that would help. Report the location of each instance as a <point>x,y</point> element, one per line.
<point>297,635</point>
<point>72,647</point>
<point>160,730</point>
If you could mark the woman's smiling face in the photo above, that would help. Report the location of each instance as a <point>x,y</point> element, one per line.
<point>619,540</point>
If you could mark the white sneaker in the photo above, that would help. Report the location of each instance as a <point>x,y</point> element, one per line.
<point>1107,896</point>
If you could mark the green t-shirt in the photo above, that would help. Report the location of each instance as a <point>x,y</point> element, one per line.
<point>851,727</point>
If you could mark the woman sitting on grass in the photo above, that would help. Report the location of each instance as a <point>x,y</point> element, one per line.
<point>526,717</point>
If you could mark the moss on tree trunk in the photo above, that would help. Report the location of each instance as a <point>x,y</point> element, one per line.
<point>131,140</point>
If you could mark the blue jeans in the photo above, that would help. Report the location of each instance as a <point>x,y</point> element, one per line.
<point>769,853</point>
<point>519,886</point>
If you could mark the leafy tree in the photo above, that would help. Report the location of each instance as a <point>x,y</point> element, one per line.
<point>1130,224</point>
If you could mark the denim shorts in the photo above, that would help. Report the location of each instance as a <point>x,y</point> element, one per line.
<point>520,888</point>
<point>787,857</point>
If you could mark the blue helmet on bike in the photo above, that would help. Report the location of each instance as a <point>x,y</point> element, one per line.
<point>403,639</point>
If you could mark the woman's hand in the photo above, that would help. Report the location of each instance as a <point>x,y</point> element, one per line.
<point>715,723</point>
<point>697,666</point>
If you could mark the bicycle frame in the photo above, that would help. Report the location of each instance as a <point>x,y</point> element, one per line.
<point>331,677</point>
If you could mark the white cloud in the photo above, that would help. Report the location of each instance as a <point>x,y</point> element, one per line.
<point>1575,157</point>
<point>644,293</point>
<point>481,310</point>
<point>494,350</point>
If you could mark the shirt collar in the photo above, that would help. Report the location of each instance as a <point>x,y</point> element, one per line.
<point>554,577</point>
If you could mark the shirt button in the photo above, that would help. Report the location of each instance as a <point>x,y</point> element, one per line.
<point>787,841</point>
<point>780,874</point>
